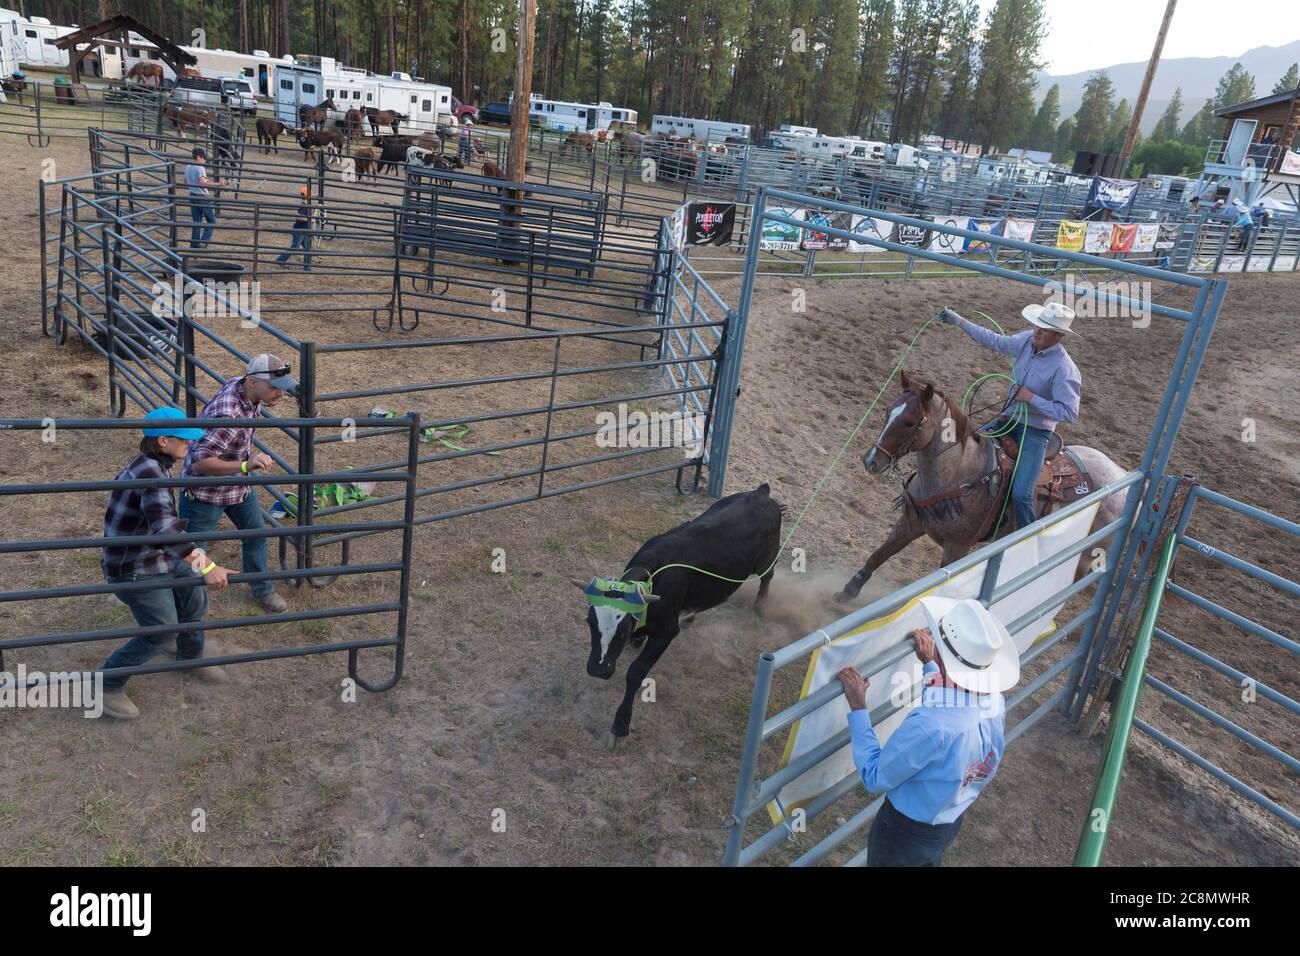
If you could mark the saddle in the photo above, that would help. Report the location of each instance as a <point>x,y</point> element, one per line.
<point>1062,481</point>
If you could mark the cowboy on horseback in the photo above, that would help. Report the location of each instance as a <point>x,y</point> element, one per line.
<point>1044,378</point>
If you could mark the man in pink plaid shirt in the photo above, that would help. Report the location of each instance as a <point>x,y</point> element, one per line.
<point>222,452</point>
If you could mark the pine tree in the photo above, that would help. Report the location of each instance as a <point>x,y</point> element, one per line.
<point>1092,120</point>
<point>1167,126</point>
<point>1003,102</point>
<point>1064,147</point>
<point>874,55</point>
<point>1118,128</point>
<point>1290,80</point>
<point>1042,134</point>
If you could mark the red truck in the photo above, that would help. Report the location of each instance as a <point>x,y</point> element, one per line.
<point>463,112</point>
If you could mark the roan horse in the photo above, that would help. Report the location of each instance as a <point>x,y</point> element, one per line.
<point>955,479</point>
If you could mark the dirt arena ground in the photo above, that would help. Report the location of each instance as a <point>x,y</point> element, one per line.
<point>495,714</point>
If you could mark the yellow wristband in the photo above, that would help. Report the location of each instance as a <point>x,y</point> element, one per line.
<point>243,467</point>
<point>209,567</point>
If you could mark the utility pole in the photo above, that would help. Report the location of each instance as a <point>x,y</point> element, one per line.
<point>1146,85</point>
<point>518,152</point>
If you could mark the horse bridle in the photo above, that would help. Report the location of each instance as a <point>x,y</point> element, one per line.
<point>903,450</point>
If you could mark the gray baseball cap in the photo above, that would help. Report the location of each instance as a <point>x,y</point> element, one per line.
<point>270,369</point>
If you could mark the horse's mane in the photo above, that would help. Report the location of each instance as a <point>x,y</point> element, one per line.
<point>959,418</point>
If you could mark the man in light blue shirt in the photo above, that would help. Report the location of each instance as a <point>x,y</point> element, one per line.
<point>1044,378</point>
<point>947,749</point>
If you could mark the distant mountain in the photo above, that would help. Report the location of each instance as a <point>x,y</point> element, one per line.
<point>1196,75</point>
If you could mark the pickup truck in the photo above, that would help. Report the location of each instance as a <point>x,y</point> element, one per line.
<point>237,93</point>
<point>463,111</point>
<point>199,91</point>
<point>498,112</point>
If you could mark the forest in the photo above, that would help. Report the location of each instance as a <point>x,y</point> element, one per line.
<point>896,70</point>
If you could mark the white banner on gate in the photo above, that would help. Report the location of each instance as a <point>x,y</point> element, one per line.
<point>1147,233</point>
<point>869,226</point>
<point>876,637</point>
<point>1022,229</point>
<point>946,242</point>
<point>1097,239</point>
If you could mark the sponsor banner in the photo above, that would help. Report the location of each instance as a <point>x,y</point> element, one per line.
<point>1097,238</point>
<point>945,242</point>
<point>917,237</point>
<point>1147,234</point>
<point>710,223</point>
<point>1070,235</point>
<point>778,235</point>
<point>1259,263</point>
<point>679,226</point>
<point>1201,264</point>
<point>815,239</point>
<point>874,228</point>
<point>1231,263</point>
<point>1021,229</point>
<point>1117,194</point>
<point>1290,163</point>
<point>1168,235</point>
<point>1284,264</point>
<point>1122,237</point>
<point>981,225</point>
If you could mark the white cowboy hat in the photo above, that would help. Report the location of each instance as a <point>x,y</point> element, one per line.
<point>978,653</point>
<point>1053,316</point>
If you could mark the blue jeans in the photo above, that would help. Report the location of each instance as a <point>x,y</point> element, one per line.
<point>180,605</point>
<point>1029,464</point>
<point>299,241</point>
<point>202,210</point>
<point>244,515</point>
<point>464,150</point>
<point>898,840</point>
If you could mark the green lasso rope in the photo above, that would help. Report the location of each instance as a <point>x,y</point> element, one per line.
<point>840,454</point>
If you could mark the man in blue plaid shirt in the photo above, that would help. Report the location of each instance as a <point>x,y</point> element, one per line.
<point>174,573</point>
<point>222,452</point>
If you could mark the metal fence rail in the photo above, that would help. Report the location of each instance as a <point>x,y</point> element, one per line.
<point>543,324</point>
<point>393,531</point>
<point>1132,534</point>
<point>753,794</point>
<point>1186,645</point>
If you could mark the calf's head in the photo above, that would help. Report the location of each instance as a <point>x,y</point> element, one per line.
<point>617,609</point>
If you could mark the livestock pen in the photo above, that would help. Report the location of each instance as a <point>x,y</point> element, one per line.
<point>512,317</point>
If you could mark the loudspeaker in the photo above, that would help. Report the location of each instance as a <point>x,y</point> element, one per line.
<point>1097,164</point>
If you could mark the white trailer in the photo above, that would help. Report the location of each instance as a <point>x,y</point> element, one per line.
<point>38,36</point>
<point>708,131</point>
<point>585,117</point>
<point>11,42</point>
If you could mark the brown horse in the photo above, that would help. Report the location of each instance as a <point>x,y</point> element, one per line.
<point>315,115</point>
<point>951,496</point>
<point>352,123</point>
<point>186,117</point>
<point>146,74</point>
<point>381,118</point>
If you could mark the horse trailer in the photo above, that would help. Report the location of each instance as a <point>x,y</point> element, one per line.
<point>582,117</point>
<point>708,131</point>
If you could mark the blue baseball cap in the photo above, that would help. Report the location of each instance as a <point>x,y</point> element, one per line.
<point>165,413</point>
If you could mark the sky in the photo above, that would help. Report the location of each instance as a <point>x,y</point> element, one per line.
<point>1090,34</point>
